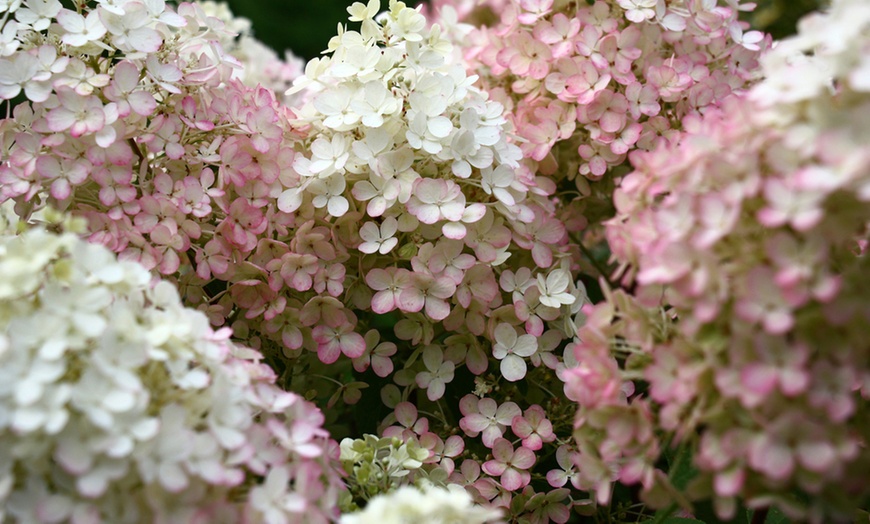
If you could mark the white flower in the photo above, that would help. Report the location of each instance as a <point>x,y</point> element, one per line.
<point>334,104</point>
<point>381,194</point>
<point>432,505</point>
<point>497,181</point>
<point>396,114</point>
<point>638,10</point>
<point>132,31</point>
<point>329,193</point>
<point>38,13</point>
<point>376,102</point>
<point>273,500</point>
<point>9,42</point>
<point>359,61</point>
<point>381,238</point>
<point>359,12</point>
<point>79,29</point>
<point>327,157</point>
<point>9,5</point>
<point>554,289</point>
<point>510,349</point>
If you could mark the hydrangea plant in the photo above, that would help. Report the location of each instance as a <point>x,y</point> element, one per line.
<point>404,236</point>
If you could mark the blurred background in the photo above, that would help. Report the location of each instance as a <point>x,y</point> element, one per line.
<point>305,26</point>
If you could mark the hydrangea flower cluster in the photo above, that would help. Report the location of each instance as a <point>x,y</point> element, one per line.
<point>134,120</point>
<point>118,404</point>
<point>585,85</point>
<point>433,504</point>
<point>376,466</point>
<point>752,230</point>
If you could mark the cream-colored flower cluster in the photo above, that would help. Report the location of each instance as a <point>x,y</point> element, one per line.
<point>394,117</point>
<point>432,505</point>
<point>118,404</point>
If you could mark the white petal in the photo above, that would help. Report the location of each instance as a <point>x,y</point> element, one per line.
<point>513,368</point>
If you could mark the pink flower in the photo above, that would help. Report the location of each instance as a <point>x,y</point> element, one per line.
<point>296,270</point>
<point>510,350</point>
<point>330,279</point>
<point>242,225</point>
<point>533,427</point>
<point>410,424</point>
<point>447,259</point>
<point>333,341</point>
<point>487,417</point>
<point>668,81</point>
<point>557,33</point>
<point>539,236</point>
<point>526,56</point>
<point>566,458</point>
<point>642,100</point>
<point>762,301</point>
<point>435,199</point>
<point>82,115</point>
<point>510,464</point>
<point>63,175</point>
<point>429,293</point>
<point>596,381</point>
<point>478,284</point>
<point>376,354</point>
<point>389,284</point>
<point>577,81</point>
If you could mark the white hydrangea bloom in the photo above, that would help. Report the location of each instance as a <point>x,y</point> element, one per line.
<point>432,505</point>
<point>393,104</point>
<point>118,404</point>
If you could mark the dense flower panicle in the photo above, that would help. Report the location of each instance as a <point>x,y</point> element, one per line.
<point>121,405</point>
<point>584,86</point>
<point>751,230</point>
<point>174,162</point>
<point>434,504</point>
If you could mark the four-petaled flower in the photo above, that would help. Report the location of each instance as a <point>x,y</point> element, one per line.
<point>511,465</point>
<point>510,350</point>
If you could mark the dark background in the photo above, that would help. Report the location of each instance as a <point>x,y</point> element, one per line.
<point>305,27</point>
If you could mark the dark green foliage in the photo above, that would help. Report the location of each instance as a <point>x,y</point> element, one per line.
<point>780,17</point>
<point>301,26</point>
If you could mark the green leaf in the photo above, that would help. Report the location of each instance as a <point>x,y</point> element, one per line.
<point>775,516</point>
<point>681,469</point>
